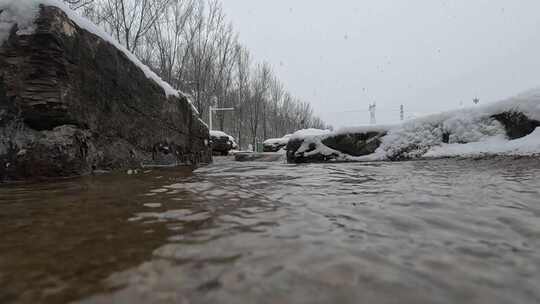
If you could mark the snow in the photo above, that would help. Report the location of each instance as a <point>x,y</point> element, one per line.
<point>215,133</point>
<point>233,142</point>
<point>309,132</point>
<point>283,141</point>
<point>419,135</point>
<point>470,132</point>
<point>363,129</point>
<point>278,141</point>
<point>496,145</point>
<point>24,12</point>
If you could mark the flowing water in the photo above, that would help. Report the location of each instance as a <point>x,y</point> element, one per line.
<point>441,231</point>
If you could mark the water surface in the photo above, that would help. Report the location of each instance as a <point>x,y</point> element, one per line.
<point>441,231</point>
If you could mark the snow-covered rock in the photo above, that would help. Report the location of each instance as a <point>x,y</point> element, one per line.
<point>215,133</point>
<point>278,144</point>
<point>505,127</point>
<point>310,132</point>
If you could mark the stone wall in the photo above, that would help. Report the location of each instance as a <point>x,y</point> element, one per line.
<point>71,103</point>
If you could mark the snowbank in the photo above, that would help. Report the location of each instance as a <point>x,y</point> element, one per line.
<point>278,141</point>
<point>24,12</point>
<point>496,145</point>
<point>215,133</point>
<point>276,144</point>
<point>465,132</point>
<point>363,129</point>
<point>298,134</point>
<point>309,132</point>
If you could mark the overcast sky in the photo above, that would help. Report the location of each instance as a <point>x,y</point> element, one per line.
<point>430,55</point>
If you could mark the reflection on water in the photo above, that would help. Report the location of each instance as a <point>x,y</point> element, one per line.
<point>445,231</point>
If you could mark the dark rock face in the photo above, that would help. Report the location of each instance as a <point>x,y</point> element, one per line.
<point>71,102</point>
<point>517,124</point>
<point>294,157</point>
<point>355,144</point>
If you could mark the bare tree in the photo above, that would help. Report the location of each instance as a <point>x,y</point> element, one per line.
<point>243,65</point>
<point>191,45</point>
<point>167,38</point>
<point>131,20</point>
<point>258,98</point>
<point>77,4</point>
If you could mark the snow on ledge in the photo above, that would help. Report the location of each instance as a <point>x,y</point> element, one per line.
<point>300,134</point>
<point>24,12</point>
<point>278,141</point>
<point>216,133</point>
<point>309,133</point>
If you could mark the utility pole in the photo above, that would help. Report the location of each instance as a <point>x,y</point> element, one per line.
<point>212,110</point>
<point>372,118</point>
<point>402,113</point>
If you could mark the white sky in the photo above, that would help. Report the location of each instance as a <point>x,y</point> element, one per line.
<point>429,55</point>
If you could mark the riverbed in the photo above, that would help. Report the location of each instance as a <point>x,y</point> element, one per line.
<point>437,231</point>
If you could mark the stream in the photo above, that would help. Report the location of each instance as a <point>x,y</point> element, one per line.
<point>437,231</point>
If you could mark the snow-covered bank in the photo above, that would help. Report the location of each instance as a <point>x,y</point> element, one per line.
<point>496,145</point>
<point>506,127</point>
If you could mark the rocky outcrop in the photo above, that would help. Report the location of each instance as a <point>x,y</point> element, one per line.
<point>353,144</point>
<point>309,155</point>
<point>276,144</point>
<point>411,140</point>
<point>516,124</point>
<point>273,147</point>
<point>70,102</point>
<point>357,144</point>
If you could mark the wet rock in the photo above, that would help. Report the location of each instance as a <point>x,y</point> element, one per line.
<point>354,144</point>
<point>446,137</point>
<point>293,156</point>
<point>71,103</point>
<point>274,147</point>
<point>264,157</point>
<point>278,144</point>
<point>517,124</point>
